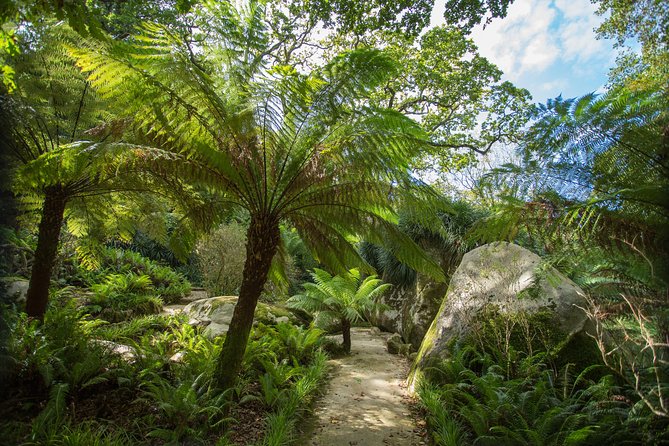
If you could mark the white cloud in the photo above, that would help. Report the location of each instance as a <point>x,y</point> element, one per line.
<point>573,9</point>
<point>522,42</point>
<point>546,46</point>
<point>538,33</point>
<point>552,86</point>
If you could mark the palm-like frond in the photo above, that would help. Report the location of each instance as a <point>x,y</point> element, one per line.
<point>342,297</point>
<point>296,147</point>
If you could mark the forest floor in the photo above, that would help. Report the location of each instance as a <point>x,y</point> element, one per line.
<point>366,402</point>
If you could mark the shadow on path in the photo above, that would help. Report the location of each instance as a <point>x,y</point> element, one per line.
<point>365,403</point>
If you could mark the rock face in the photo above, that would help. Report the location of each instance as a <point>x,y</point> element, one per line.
<point>390,319</point>
<point>419,311</point>
<point>395,346</point>
<point>411,310</point>
<point>215,314</point>
<point>509,280</point>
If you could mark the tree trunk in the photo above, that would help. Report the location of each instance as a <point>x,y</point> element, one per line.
<point>53,211</point>
<point>346,333</point>
<point>262,241</point>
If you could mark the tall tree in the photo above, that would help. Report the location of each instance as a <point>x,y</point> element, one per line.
<point>60,155</point>
<point>284,146</point>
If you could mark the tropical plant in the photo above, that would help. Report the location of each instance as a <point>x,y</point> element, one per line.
<point>345,298</point>
<point>170,285</point>
<point>281,425</point>
<point>594,198</point>
<point>470,398</point>
<point>282,145</point>
<point>186,408</point>
<point>59,161</point>
<point>447,242</point>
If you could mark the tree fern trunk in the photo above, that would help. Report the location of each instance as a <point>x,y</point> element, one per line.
<point>53,211</point>
<point>262,241</point>
<point>346,333</point>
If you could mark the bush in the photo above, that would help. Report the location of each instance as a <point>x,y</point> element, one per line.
<point>470,398</point>
<point>221,255</point>
<point>166,283</point>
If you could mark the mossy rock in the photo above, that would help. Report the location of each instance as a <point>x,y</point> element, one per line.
<point>502,285</point>
<point>215,313</point>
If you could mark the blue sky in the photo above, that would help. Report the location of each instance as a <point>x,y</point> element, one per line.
<point>546,46</point>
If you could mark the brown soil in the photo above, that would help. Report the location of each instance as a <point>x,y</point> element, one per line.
<point>366,403</point>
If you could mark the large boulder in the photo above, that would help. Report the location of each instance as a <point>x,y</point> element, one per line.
<point>215,314</point>
<point>419,310</point>
<point>504,280</point>
<point>410,309</point>
<point>16,289</point>
<point>393,299</point>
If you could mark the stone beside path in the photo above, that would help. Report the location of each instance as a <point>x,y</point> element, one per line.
<point>195,294</point>
<point>366,403</point>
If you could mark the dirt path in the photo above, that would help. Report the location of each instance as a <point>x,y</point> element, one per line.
<point>365,403</point>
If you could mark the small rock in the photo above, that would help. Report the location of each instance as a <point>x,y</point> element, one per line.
<point>178,356</point>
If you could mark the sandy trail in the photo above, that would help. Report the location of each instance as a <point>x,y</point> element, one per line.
<point>365,403</point>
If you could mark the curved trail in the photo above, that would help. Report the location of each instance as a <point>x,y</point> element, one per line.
<point>365,403</point>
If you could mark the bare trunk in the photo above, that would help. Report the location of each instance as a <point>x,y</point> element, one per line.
<point>262,242</point>
<point>346,333</point>
<point>53,211</point>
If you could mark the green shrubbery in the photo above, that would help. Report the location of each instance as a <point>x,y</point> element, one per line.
<point>69,382</point>
<point>474,398</point>
<point>166,283</point>
<point>127,285</point>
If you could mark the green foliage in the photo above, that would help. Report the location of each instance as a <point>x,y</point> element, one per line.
<point>83,434</point>
<point>122,295</point>
<point>58,351</point>
<point>221,255</point>
<point>186,408</point>
<point>643,21</point>
<point>281,425</point>
<point>137,327</point>
<point>447,240</point>
<point>166,283</point>
<point>323,211</point>
<point>274,143</point>
<point>469,13</point>
<point>468,398</point>
<point>301,260</point>
<point>345,297</point>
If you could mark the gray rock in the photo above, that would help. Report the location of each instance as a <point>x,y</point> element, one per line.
<point>16,289</point>
<point>411,309</point>
<point>178,357</point>
<point>215,314</point>
<point>126,352</point>
<point>419,310</point>
<point>394,344</point>
<point>510,280</point>
<point>390,319</point>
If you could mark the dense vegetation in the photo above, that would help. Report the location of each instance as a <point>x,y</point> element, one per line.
<point>279,151</point>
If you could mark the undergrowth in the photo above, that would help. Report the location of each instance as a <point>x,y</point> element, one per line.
<point>471,399</point>
<point>74,380</point>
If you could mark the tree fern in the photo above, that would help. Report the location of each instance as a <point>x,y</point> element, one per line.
<point>284,146</point>
<point>343,298</point>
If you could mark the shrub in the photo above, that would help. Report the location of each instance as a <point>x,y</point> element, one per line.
<point>221,255</point>
<point>469,398</point>
<point>166,283</point>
